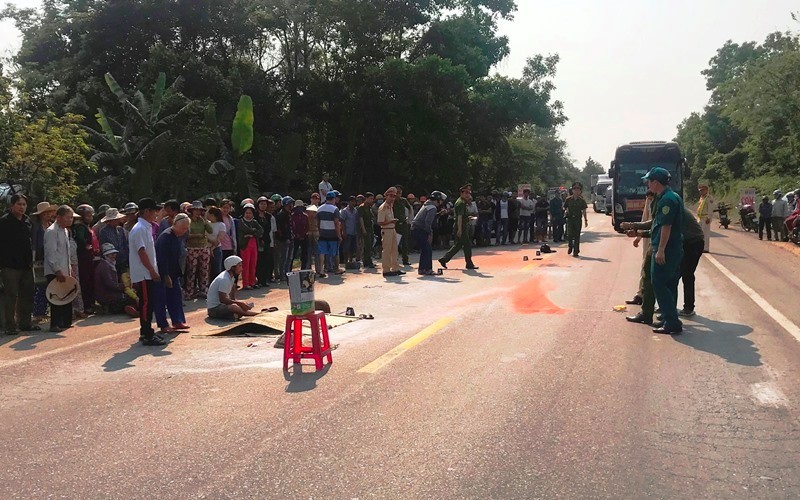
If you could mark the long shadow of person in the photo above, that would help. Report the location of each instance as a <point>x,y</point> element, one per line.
<point>303,382</point>
<point>726,340</point>
<point>30,342</point>
<point>123,360</point>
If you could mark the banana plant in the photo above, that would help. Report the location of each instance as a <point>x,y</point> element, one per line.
<point>133,148</point>
<point>241,143</point>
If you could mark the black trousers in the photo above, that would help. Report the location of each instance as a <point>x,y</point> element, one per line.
<point>146,292</point>
<point>60,316</point>
<point>265,266</point>
<point>513,227</point>
<point>764,222</point>
<point>692,251</point>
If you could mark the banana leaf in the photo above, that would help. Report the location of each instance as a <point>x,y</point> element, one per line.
<point>107,130</point>
<point>220,166</point>
<point>115,88</point>
<point>133,114</point>
<point>169,120</point>
<point>144,107</point>
<point>242,130</point>
<point>158,97</point>
<point>153,146</point>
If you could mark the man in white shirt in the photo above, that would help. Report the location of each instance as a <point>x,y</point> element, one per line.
<point>221,302</point>
<point>56,264</point>
<point>325,186</point>
<point>501,220</point>
<point>144,269</point>
<point>780,211</point>
<point>526,206</point>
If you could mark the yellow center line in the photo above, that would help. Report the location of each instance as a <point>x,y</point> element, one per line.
<point>405,346</point>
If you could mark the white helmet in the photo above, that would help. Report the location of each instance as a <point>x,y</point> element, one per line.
<point>232,262</point>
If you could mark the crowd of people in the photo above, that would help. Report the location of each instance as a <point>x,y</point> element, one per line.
<point>778,216</point>
<point>146,259</point>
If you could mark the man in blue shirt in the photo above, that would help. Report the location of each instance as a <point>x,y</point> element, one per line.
<point>667,243</point>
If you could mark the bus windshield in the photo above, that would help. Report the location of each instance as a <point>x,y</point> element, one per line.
<point>629,177</point>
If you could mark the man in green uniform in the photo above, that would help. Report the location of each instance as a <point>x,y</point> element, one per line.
<point>575,209</point>
<point>666,238</point>
<point>365,230</point>
<point>462,229</point>
<point>642,230</point>
<point>402,209</point>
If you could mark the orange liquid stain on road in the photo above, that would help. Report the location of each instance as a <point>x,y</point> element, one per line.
<point>506,259</point>
<point>531,298</point>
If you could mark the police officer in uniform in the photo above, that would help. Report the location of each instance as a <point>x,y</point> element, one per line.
<point>666,239</point>
<point>575,209</point>
<point>402,208</point>
<point>462,230</point>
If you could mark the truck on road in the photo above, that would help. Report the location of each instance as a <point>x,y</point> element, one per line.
<point>599,185</point>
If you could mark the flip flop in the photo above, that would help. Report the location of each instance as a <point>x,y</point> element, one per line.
<point>269,309</point>
<point>366,316</point>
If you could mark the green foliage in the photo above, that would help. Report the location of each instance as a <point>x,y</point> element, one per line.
<point>242,129</point>
<point>377,92</point>
<point>751,127</point>
<point>48,158</point>
<point>9,120</point>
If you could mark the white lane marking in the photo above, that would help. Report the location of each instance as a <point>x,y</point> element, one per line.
<point>32,357</point>
<point>776,315</point>
<point>768,394</point>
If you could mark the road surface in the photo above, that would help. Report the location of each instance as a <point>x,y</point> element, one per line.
<point>519,381</point>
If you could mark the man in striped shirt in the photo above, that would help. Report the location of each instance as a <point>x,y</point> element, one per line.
<point>330,234</point>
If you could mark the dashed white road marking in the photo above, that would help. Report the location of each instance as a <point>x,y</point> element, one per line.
<point>776,315</point>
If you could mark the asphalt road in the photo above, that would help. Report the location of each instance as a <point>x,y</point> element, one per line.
<point>527,385</point>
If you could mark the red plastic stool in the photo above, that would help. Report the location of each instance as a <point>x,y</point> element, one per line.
<point>293,347</point>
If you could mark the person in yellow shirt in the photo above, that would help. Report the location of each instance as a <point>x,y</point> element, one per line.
<point>705,211</point>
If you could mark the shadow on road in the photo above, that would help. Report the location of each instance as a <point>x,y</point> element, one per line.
<point>303,382</point>
<point>726,340</point>
<point>593,259</point>
<point>123,360</point>
<point>30,342</point>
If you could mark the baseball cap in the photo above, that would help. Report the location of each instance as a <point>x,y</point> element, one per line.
<point>331,195</point>
<point>658,174</point>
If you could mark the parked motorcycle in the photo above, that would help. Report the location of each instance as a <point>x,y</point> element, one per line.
<point>748,219</point>
<point>724,220</point>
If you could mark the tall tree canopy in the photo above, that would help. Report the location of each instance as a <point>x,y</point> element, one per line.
<point>376,92</point>
<point>751,126</point>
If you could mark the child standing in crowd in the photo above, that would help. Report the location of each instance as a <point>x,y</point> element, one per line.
<point>198,257</point>
<point>250,231</point>
<point>218,232</point>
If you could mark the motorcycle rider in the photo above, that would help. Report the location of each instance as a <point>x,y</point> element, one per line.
<point>704,212</point>
<point>764,215</point>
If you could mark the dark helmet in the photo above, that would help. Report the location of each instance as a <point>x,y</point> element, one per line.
<point>438,196</point>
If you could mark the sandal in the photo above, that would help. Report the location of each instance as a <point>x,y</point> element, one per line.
<point>270,309</point>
